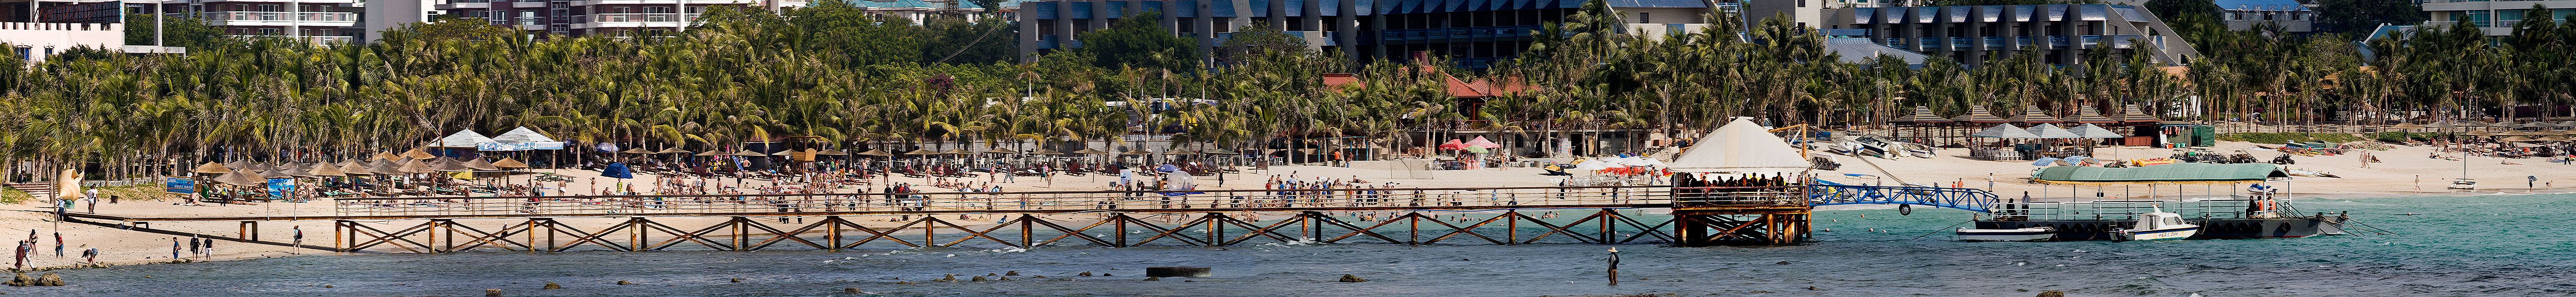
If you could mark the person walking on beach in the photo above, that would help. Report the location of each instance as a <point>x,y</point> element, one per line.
<point>58,244</point>
<point>210,248</point>
<point>23,245</point>
<point>299,236</point>
<point>174,248</point>
<point>192,246</point>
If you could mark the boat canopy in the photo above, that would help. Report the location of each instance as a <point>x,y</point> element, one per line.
<point>2178,173</point>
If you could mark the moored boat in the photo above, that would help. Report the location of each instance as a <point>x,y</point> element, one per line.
<point>2156,226</point>
<point>2216,211</point>
<point>2023,234</point>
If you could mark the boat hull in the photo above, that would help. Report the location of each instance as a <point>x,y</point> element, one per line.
<point>2072,230</point>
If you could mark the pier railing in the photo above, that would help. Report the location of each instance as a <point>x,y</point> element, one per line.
<point>1739,196</point>
<point>1053,201</point>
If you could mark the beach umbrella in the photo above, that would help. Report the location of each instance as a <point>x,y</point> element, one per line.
<point>1136,152</point>
<point>674,150</point>
<point>2481,133</point>
<point>2406,126</point>
<point>240,179</point>
<point>1087,151</point>
<point>788,152</point>
<point>1481,142</point>
<point>271,174</point>
<point>876,152</point>
<point>327,169</point>
<point>211,167</point>
<point>636,151</point>
<point>386,156</point>
<point>2032,114</point>
<point>2052,131</point>
<point>238,165</point>
<point>419,154</point>
<point>1046,152</point>
<point>445,164</point>
<point>2004,131</point>
<point>414,166</point>
<point>480,164</point>
<point>1218,152</point>
<point>1454,144</point>
<point>748,153</point>
<point>510,163</point>
<point>2567,124</point>
<point>386,168</point>
<point>831,152</point>
<point>261,167</point>
<point>1001,151</point>
<point>297,171</point>
<point>958,151</point>
<point>2091,131</point>
<point>355,168</point>
<point>921,151</point>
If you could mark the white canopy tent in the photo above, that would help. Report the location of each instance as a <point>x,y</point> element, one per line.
<point>521,139</point>
<point>1740,144</point>
<point>462,139</point>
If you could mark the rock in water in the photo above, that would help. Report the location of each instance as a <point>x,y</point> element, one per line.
<point>491,292</point>
<point>851,291</point>
<point>625,282</point>
<point>1085,273</point>
<point>1177,272</point>
<point>327,286</point>
<point>1012,273</point>
<point>1105,274</point>
<point>22,280</point>
<point>979,278</point>
<point>2052,293</point>
<point>903,283</point>
<point>1782,263</point>
<point>949,278</point>
<point>1352,279</point>
<point>737,279</point>
<point>551,286</point>
<point>50,280</point>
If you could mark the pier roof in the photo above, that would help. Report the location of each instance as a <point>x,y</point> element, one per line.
<point>2161,174</point>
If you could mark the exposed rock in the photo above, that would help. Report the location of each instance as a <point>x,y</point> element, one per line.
<point>737,279</point>
<point>1085,273</point>
<point>1041,276</point>
<point>1012,273</point>
<point>551,286</point>
<point>1812,288</point>
<point>2052,293</point>
<point>1352,279</point>
<point>979,278</point>
<point>50,280</point>
<point>327,286</point>
<point>1178,272</point>
<point>1153,279</point>
<point>625,282</point>
<point>22,280</point>
<point>1782,263</point>
<point>491,292</point>
<point>949,278</point>
<point>851,291</point>
<point>989,274</point>
<point>1105,274</point>
<point>903,283</point>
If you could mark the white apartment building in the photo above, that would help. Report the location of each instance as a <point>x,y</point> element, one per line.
<point>653,17</point>
<point>37,41</point>
<point>2495,18</point>
<point>319,21</point>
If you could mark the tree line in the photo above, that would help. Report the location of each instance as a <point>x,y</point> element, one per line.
<point>834,73</point>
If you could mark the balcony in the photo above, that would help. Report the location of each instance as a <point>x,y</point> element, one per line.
<point>1960,43</point>
<point>312,39</point>
<point>465,4</point>
<point>637,20</point>
<point>1930,43</point>
<point>1997,43</point>
<point>2057,42</point>
<point>270,18</point>
<point>1900,43</point>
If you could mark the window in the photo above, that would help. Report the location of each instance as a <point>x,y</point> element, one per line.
<point>23,54</point>
<point>1642,18</point>
<point>1802,3</point>
<point>622,9</point>
<point>528,17</point>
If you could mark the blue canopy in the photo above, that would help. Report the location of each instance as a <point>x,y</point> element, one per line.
<point>617,170</point>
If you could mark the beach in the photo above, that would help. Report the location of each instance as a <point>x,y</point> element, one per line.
<point>2398,175</point>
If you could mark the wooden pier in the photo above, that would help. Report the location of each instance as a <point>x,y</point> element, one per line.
<point>1410,216</point>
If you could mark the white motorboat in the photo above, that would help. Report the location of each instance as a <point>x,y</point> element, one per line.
<point>2023,234</point>
<point>2156,225</point>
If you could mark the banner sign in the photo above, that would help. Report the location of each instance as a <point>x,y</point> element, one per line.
<point>518,146</point>
<point>278,187</point>
<point>181,184</point>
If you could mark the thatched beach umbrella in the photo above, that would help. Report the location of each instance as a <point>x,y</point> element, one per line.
<point>636,151</point>
<point>510,163</point>
<point>327,169</point>
<point>419,154</point>
<point>920,152</point>
<point>1001,151</point>
<point>240,179</point>
<point>1046,152</point>
<point>238,165</point>
<point>709,154</point>
<point>876,152</point>
<point>480,164</point>
<point>748,153</point>
<point>830,152</point>
<point>673,150</point>
<point>1135,152</point>
<point>355,168</point>
<point>1090,152</point>
<point>212,168</point>
<point>386,156</point>
<point>271,174</point>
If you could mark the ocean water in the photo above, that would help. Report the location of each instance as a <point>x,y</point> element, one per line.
<point>2457,246</point>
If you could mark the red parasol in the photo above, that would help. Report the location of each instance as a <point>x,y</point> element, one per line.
<point>1453,145</point>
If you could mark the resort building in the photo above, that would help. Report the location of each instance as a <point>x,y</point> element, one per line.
<point>2062,33</point>
<point>32,42</point>
<point>319,21</point>
<point>1472,33</point>
<point>2495,18</point>
<point>2241,15</point>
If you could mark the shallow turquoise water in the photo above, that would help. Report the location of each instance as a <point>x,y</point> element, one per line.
<point>2460,246</point>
